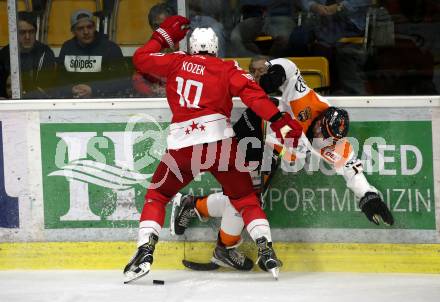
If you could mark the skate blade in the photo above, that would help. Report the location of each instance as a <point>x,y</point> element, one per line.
<point>176,203</point>
<point>132,276</point>
<point>275,272</point>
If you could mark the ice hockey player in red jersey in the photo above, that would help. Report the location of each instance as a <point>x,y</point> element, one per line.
<point>325,128</point>
<point>199,90</point>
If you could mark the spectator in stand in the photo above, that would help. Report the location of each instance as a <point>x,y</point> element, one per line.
<point>147,86</point>
<point>158,13</point>
<point>208,13</point>
<point>91,65</point>
<point>257,66</point>
<point>143,84</point>
<point>37,61</point>
<point>263,17</point>
<point>205,14</point>
<point>338,35</point>
<point>410,64</point>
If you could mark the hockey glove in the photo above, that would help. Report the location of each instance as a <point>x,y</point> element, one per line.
<point>171,31</point>
<point>374,208</point>
<point>273,78</point>
<point>287,130</point>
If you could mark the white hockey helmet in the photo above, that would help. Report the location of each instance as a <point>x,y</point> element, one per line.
<point>203,39</point>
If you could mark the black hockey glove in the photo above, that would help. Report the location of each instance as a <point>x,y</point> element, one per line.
<point>374,208</point>
<point>273,78</point>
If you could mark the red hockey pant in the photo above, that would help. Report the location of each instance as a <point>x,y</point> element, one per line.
<point>236,185</point>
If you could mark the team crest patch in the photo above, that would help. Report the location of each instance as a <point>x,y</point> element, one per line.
<point>305,114</point>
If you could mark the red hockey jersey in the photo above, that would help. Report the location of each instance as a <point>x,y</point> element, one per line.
<point>199,91</point>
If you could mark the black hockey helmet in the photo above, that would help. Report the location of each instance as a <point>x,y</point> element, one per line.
<point>335,123</point>
<point>273,78</point>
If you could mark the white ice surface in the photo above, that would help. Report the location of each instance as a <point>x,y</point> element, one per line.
<point>180,286</point>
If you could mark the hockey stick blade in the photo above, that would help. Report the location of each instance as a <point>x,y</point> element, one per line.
<point>196,266</point>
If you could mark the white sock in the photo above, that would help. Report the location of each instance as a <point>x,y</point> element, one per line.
<point>146,228</point>
<point>258,228</point>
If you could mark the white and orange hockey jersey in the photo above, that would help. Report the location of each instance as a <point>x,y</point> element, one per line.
<point>306,105</point>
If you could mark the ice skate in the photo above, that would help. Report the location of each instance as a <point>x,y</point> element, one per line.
<point>183,212</point>
<point>141,262</point>
<point>230,257</point>
<point>267,259</point>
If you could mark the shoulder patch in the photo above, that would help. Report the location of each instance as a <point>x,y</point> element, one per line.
<point>305,114</point>
<point>248,76</point>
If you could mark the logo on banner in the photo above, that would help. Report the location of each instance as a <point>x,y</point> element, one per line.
<point>9,217</point>
<point>97,174</point>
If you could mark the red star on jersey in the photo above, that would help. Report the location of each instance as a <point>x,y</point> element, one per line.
<point>202,128</point>
<point>194,126</point>
<point>187,131</point>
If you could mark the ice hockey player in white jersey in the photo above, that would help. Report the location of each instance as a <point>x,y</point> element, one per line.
<point>324,130</point>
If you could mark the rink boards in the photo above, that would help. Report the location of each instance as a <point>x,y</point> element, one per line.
<point>298,257</point>
<point>74,178</point>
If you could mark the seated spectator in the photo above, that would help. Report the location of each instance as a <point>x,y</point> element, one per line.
<point>158,13</point>
<point>200,16</point>
<point>37,61</point>
<point>263,17</point>
<point>332,37</point>
<point>144,85</point>
<point>408,65</point>
<point>91,65</point>
<point>207,13</point>
<point>257,66</point>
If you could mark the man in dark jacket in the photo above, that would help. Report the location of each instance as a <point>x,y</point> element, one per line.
<point>91,65</point>
<point>37,61</point>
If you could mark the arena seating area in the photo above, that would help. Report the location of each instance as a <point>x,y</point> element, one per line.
<point>125,22</point>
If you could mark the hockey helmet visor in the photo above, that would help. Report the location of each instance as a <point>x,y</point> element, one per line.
<point>335,123</point>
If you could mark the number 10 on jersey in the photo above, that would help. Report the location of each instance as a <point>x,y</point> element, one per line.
<point>184,89</point>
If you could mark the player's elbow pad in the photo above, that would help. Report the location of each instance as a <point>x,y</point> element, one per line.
<point>355,178</point>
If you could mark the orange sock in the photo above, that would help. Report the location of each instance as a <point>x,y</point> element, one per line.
<point>229,240</point>
<point>202,207</point>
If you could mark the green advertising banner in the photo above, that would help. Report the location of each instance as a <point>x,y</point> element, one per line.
<point>398,161</point>
<point>95,175</point>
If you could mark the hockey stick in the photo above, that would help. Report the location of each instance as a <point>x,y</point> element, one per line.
<point>266,182</point>
<point>210,266</point>
<point>198,266</point>
<point>264,185</point>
